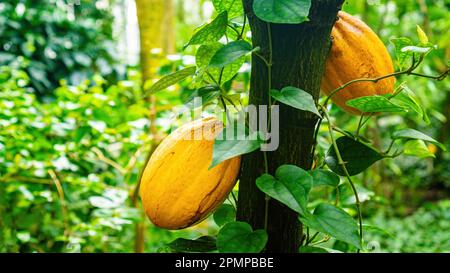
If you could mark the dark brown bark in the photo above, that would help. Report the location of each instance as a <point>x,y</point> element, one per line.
<point>299,55</point>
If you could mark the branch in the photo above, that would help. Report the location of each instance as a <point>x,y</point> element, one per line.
<point>62,201</point>
<point>407,72</point>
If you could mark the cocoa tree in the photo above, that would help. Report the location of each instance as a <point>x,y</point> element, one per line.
<point>289,47</point>
<point>297,55</point>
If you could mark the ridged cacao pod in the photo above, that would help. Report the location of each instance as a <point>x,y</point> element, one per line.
<point>178,189</point>
<point>356,52</point>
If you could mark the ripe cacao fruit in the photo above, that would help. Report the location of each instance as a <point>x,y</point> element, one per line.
<point>356,52</point>
<point>177,188</point>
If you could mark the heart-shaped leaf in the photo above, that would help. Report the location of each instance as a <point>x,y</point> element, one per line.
<point>171,79</point>
<point>211,32</point>
<point>203,58</point>
<point>296,98</point>
<point>282,11</point>
<point>203,96</point>
<point>233,7</point>
<point>241,142</point>
<point>414,134</point>
<point>363,194</point>
<point>403,58</point>
<point>374,104</point>
<point>225,214</point>
<point>335,222</point>
<point>323,177</point>
<point>230,53</point>
<point>291,187</point>
<point>239,237</point>
<point>202,244</point>
<point>417,148</point>
<point>409,100</point>
<point>357,156</point>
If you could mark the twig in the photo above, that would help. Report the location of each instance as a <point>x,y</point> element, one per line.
<point>33,180</point>
<point>343,166</point>
<point>108,161</point>
<point>62,201</point>
<point>408,71</point>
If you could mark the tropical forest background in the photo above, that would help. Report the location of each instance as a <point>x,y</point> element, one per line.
<point>76,124</point>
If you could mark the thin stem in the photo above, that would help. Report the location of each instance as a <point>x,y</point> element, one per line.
<point>390,146</point>
<point>343,166</point>
<point>326,239</point>
<point>307,234</point>
<point>241,36</point>
<point>312,238</point>
<point>338,195</point>
<point>235,30</point>
<point>438,78</point>
<point>262,58</point>
<point>220,76</point>
<point>316,134</point>
<point>269,76</point>
<point>359,125</point>
<point>367,119</point>
<point>334,92</point>
<point>339,130</point>
<point>234,198</point>
<point>62,201</point>
<point>408,72</point>
<point>225,109</point>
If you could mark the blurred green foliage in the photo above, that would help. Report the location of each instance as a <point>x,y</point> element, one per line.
<point>62,39</point>
<point>71,137</point>
<point>424,231</point>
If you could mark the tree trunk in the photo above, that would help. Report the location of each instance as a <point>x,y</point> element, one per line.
<point>150,15</point>
<point>299,55</point>
<point>168,28</point>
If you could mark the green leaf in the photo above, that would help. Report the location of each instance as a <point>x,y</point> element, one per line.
<point>202,244</point>
<point>211,32</point>
<point>315,249</point>
<point>239,237</point>
<point>423,38</point>
<point>291,187</point>
<point>207,94</point>
<point>403,58</point>
<point>324,178</point>
<point>241,143</point>
<point>296,98</point>
<point>417,148</point>
<point>282,11</point>
<point>171,79</point>
<point>409,100</point>
<point>224,214</point>
<point>414,134</point>
<point>312,249</point>
<point>233,7</point>
<point>230,53</point>
<point>356,155</point>
<point>377,230</point>
<point>374,104</point>
<point>335,222</point>
<point>363,194</point>
<point>203,58</point>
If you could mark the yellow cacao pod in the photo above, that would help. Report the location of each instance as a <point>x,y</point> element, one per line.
<point>357,52</point>
<point>177,188</point>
